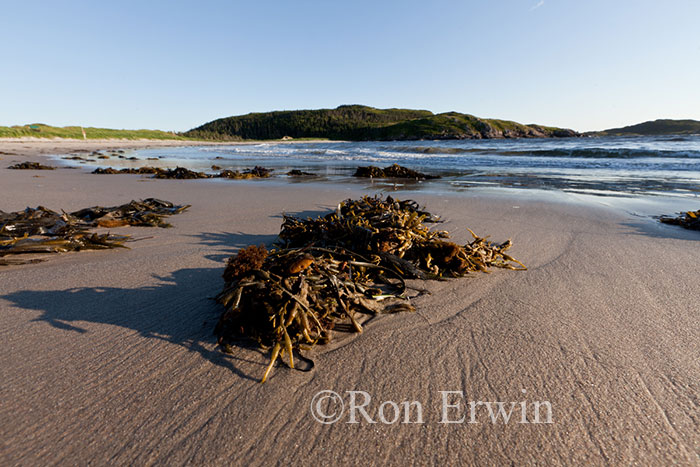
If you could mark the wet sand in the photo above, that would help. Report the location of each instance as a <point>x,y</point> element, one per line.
<point>108,357</point>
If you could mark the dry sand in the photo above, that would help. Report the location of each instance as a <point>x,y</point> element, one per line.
<point>108,357</point>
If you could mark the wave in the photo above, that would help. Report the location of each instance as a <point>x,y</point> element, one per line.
<point>650,149</point>
<point>432,150</point>
<point>603,153</point>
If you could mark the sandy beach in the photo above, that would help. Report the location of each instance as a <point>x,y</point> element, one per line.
<point>35,148</point>
<point>109,356</point>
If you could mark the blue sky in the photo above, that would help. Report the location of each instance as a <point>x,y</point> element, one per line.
<point>172,65</point>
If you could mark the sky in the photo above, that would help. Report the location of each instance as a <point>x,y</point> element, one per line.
<point>174,65</point>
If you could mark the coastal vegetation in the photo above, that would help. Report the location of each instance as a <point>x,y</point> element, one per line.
<point>39,130</point>
<point>655,128</point>
<point>362,123</point>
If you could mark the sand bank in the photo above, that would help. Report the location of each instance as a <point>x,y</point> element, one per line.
<point>108,357</point>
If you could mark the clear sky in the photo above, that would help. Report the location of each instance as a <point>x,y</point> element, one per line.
<point>173,65</point>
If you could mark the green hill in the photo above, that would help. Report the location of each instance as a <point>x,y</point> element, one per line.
<point>39,130</point>
<point>656,127</point>
<point>362,123</point>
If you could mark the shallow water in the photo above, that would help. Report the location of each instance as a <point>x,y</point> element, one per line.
<point>634,167</point>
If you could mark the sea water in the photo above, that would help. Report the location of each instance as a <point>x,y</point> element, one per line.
<point>661,166</point>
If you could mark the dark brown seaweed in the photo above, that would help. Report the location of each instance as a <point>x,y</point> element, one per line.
<point>334,268</point>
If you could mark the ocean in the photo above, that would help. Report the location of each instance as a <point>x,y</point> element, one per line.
<point>650,166</point>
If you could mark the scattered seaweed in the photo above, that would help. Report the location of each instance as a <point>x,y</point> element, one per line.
<point>182,173</point>
<point>689,220</point>
<point>42,230</point>
<point>334,268</point>
<point>392,171</point>
<point>140,170</point>
<point>31,166</point>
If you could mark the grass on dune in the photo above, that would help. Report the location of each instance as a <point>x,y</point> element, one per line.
<point>76,132</point>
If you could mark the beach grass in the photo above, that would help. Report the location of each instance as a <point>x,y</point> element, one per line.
<point>46,131</point>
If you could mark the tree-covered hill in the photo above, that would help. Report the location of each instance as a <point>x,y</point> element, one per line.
<point>656,127</point>
<point>362,123</point>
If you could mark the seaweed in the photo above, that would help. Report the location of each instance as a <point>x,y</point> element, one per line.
<point>182,173</point>
<point>337,267</point>
<point>256,172</point>
<point>140,170</point>
<point>31,166</point>
<point>42,230</point>
<point>392,171</point>
<point>300,173</point>
<point>689,220</point>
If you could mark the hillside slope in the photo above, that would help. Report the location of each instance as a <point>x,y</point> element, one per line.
<point>39,130</point>
<point>656,127</point>
<point>362,123</point>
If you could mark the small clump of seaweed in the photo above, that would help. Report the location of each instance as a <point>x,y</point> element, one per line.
<point>42,230</point>
<point>300,173</point>
<point>256,172</point>
<point>393,171</point>
<point>146,213</point>
<point>180,173</point>
<point>689,220</point>
<point>335,268</point>
<point>31,166</point>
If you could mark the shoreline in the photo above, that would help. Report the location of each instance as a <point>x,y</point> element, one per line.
<point>108,356</point>
<point>13,150</point>
<point>36,147</point>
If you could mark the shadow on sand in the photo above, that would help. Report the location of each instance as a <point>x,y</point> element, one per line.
<point>228,243</point>
<point>178,309</point>
<point>655,229</point>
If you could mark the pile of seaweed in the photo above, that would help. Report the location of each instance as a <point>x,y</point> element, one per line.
<point>689,220</point>
<point>30,166</point>
<point>42,230</point>
<point>393,171</point>
<point>181,173</point>
<point>333,269</point>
